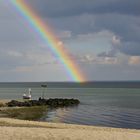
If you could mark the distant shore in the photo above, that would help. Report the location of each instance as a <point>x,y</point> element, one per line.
<point>12,129</point>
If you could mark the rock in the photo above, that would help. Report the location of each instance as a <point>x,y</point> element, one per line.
<point>57,102</point>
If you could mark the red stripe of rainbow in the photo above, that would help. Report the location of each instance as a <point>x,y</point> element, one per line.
<point>52,42</point>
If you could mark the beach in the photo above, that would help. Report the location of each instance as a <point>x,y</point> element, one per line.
<point>12,129</point>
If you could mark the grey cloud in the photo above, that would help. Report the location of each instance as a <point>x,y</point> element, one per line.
<point>4,14</point>
<point>92,59</point>
<point>111,53</point>
<point>130,48</point>
<point>62,8</point>
<point>127,28</point>
<point>24,54</point>
<point>127,48</point>
<point>112,72</point>
<point>120,17</point>
<point>11,58</point>
<point>11,30</point>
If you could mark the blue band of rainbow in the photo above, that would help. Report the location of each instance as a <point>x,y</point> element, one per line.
<point>49,38</point>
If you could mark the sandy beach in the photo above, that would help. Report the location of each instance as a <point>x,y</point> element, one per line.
<point>11,129</point>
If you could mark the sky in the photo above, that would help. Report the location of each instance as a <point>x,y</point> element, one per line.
<point>102,36</point>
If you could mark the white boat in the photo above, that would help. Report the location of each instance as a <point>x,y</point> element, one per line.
<point>27,94</point>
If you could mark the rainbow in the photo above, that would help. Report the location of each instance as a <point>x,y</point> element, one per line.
<point>52,42</point>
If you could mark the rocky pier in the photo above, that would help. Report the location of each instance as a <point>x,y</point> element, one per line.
<point>56,102</point>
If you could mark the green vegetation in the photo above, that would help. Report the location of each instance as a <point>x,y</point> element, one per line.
<point>32,109</point>
<point>25,113</point>
<point>2,104</point>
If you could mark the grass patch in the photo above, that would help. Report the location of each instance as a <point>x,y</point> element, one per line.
<point>25,113</point>
<point>2,104</point>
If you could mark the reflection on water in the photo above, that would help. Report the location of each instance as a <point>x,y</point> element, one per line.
<point>89,115</point>
<point>104,107</point>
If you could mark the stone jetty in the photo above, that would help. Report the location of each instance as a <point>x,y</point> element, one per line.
<point>55,102</point>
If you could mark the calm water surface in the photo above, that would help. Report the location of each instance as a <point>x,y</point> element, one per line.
<point>115,107</point>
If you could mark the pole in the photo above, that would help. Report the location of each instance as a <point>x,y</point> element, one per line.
<point>43,93</point>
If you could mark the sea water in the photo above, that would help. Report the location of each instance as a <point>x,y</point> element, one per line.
<point>113,104</point>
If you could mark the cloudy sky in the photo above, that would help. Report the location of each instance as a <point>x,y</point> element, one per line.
<point>103,36</point>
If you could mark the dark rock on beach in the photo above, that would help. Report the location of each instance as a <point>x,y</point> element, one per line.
<point>57,102</point>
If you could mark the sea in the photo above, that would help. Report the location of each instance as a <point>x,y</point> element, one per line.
<point>109,104</point>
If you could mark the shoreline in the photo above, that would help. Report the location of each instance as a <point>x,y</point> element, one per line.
<point>19,112</point>
<point>12,129</point>
<point>34,130</point>
<point>33,109</point>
